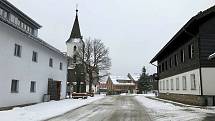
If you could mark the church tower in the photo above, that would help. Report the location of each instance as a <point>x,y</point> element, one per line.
<point>75,42</point>
<point>76,76</point>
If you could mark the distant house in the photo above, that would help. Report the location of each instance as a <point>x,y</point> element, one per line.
<point>119,84</point>
<point>135,78</point>
<point>185,72</point>
<point>102,87</point>
<point>30,67</point>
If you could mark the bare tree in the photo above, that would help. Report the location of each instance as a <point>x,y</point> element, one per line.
<point>95,57</point>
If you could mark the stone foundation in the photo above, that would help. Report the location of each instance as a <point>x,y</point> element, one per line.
<point>184,98</point>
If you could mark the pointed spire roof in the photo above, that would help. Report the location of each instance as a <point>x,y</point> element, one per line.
<point>75,29</point>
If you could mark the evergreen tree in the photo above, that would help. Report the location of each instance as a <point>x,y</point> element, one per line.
<point>144,84</point>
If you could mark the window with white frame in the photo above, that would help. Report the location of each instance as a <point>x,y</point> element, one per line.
<point>167,84</point>
<point>1,12</point>
<point>166,66</point>
<point>35,56</point>
<point>176,59</point>
<point>17,22</point>
<point>5,14</point>
<point>177,84</point>
<point>14,86</point>
<point>193,81</point>
<point>170,63</point>
<point>163,85</point>
<point>160,85</point>
<point>50,62</point>
<point>33,86</point>
<point>61,66</point>
<point>172,86</point>
<point>21,24</point>
<point>17,50</point>
<point>191,51</point>
<point>182,56</point>
<point>184,81</point>
<point>12,18</point>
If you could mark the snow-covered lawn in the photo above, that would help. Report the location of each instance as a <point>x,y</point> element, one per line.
<point>164,111</point>
<point>43,111</point>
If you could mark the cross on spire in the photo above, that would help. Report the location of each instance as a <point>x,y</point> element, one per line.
<point>76,29</point>
<point>76,8</point>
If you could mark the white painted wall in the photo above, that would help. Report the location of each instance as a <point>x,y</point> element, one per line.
<point>188,80</point>
<point>24,70</point>
<point>208,81</point>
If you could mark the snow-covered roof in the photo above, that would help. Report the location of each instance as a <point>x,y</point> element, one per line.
<point>115,79</point>
<point>103,79</point>
<point>211,56</point>
<point>135,76</point>
<point>125,83</point>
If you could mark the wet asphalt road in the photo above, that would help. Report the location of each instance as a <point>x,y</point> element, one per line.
<point>110,108</point>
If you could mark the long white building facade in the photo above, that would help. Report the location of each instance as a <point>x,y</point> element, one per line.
<point>30,67</point>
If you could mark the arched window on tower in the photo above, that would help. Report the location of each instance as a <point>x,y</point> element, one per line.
<point>74,58</point>
<point>75,48</point>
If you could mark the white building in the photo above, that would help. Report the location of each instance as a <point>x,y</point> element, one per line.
<point>28,64</point>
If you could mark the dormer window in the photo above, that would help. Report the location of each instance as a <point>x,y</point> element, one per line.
<point>3,13</point>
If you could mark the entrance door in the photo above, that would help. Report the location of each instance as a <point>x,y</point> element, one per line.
<point>54,89</point>
<point>58,90</point>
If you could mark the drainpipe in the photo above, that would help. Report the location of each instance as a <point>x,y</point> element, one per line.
<point>157,74</point>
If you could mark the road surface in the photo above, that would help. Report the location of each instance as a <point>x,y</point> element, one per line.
<point>110,108</point>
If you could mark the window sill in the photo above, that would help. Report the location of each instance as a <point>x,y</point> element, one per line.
<point>17,56</point>
<point>14,92</point>
<point>193,89</point>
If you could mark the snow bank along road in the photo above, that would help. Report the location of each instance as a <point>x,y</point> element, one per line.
<point>163,110</point>
<point>110,108</point>
<point>44,111</point>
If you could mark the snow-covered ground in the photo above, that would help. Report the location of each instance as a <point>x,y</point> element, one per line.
<point>166,111</point>
<point>43,111</point>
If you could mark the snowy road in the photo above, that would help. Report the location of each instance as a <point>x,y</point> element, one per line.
<point>111,108</point>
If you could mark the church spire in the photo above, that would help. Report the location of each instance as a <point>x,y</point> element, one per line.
<point>76,29</point>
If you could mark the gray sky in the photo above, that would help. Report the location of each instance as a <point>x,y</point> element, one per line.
<point>134,30</point>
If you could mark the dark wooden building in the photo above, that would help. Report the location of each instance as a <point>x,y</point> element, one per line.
<point>185,72</point>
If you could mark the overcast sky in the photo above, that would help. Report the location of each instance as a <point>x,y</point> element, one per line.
<point>134,30</point>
